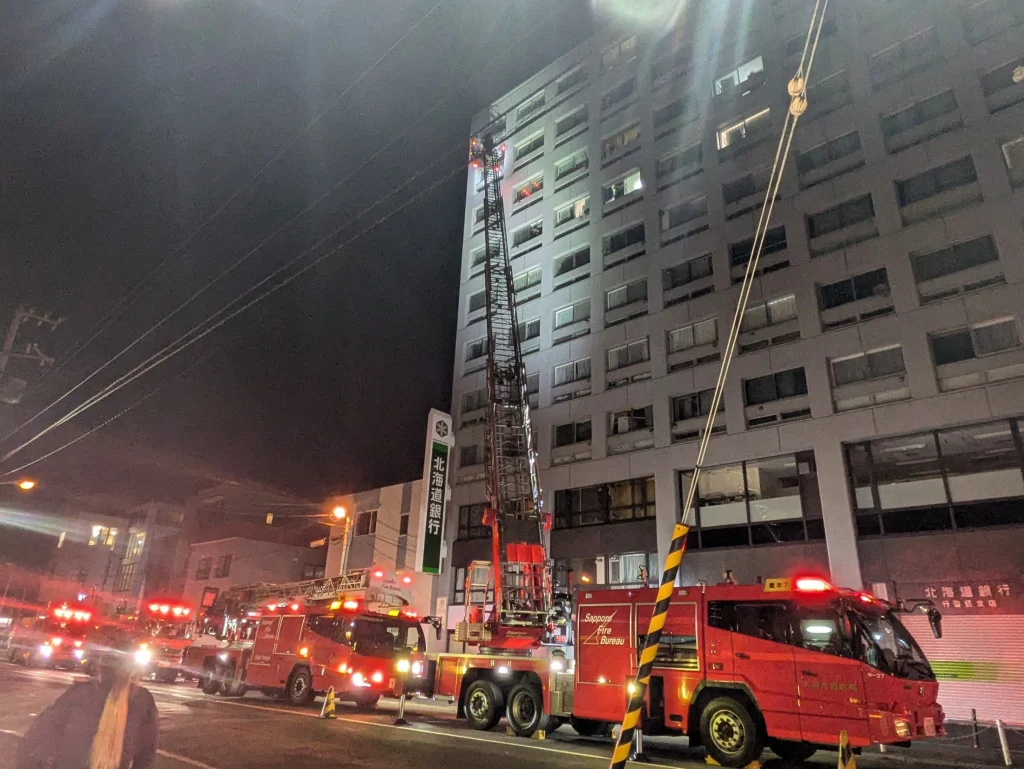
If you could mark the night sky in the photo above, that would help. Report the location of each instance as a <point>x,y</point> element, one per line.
<point>124,125</point>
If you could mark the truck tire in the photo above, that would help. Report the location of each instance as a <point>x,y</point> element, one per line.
<point>300,688</point>
<point>730,733</point>
<point>585,727</point>
<point>793,752</point>
<point>524,710</point>
<point>485,704</point>
<point>210,681</point>
<point>366,701</point>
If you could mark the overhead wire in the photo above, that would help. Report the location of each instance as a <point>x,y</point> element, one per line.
<point>274,234</point>
<point>128,299</point>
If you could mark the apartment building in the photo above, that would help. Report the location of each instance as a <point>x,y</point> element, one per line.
<point>870,427</point>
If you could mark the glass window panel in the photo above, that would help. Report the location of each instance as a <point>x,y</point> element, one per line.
<point>721,497</point>
<point>907,472</point>
<point>773,486</point>
<point>859,463</point>
<point>996,337</point>
<point>982,462</point>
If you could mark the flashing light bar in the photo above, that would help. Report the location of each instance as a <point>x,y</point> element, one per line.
<point>351,605</point>
<point>407,580</point>
<point>379,574</point>
<point>812,585</point>
<point>293,606</point>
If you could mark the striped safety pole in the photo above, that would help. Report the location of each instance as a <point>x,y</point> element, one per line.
<point>643,674</point>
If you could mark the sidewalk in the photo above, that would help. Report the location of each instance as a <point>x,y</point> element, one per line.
<point>957,749</point>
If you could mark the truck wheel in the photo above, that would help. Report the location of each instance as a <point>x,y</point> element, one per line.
<point>209,682</point>
<point>730,733</point>
<point>525,710</point>
<point>794,752</point>
<point>300,688</point>
<point>584,727</point>
<point>484,705</point>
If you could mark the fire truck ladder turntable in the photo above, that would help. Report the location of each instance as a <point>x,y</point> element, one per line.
<point>520,569</point>
<point>307,590</point>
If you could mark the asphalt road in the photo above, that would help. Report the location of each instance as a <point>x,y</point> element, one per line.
<point>256,732</point>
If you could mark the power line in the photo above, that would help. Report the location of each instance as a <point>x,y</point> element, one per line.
<point>126,301</point>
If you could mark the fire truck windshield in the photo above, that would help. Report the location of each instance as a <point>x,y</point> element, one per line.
<point>888,646</point>
<point>383,637</point>
<point>158,629</point>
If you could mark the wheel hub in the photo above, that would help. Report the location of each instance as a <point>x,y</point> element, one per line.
<point>478,704</point>
<point>727,731</point>
<point>524,710</point>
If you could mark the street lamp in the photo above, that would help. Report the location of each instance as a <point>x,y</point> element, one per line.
<point>338,513</point>
<point>25,484</point>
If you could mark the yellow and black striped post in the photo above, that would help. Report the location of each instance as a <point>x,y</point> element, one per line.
<point>650,650</point>
<point>846,759</point>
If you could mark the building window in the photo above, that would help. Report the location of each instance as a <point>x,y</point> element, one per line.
<point>764,502</point>
<point>624,239</point>
<point>960,478</point>
<point>570,165</point>
<point>527,233</point>
<point>671,112</point>
<point>687,272</point>
<point>775,387</point>
<point>917,114</point>
<point>203,567</point>
<point>618,142</point>
<point>618,94</point>
<point>774,240</point>
<point>476,349</point>
<point>829,152</point>
<point>935,181</point>
<point>977,341</point>
<point>695,405</point>
<point>471,522</point>
<point>136,542</point>
<point>473,401</point>
<point>745,186</point>
<point>477,301</point>
<point>681,213</point>
<point>403,525</point>
<point>573,432</point>
<point>863,286</point>
<point>478,215</point>
<point>312,571</point>
<point>366,523</point>
<point>103,536</point>
<point>529,146</point>
<point>631,500</point>
<point>874,364</point>
<point>988,18</point>
<point>1013,156</point>
<point>840,217</point>
<point>1000,78</point>
<point>625,295</point>
<point>680,59</point>
<point>578,209</point>
<point>529,329</point>
<point>223,567</point>
<point>628,354</point>
<point>573,79</point>
<point>795,45</point>
<point>905,57</point>
<point>733,133</point>
<point>526,280</point>
<point>619,54</point>
<point>575,371</point>
<point>953,259</point>
<point>60,539</point>
<point>737,80</point>
<point>630,420</point>
<point>570,262</point>
<point>574,313</point>
<point>528,189</point>
<point>618,189</point>
<point>694,335</point>
<point>123,578</point>
<point>770,313</point>
<point>477,256</point>
<point>471,455</point>
<point>692,157</point>
<point>530,107</point>
<point>572,120</point>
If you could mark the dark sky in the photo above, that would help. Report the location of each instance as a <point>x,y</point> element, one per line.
<point>124,125</point>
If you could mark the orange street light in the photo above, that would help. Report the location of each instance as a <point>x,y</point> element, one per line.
<point>26,485</point>
<point>338,513</point>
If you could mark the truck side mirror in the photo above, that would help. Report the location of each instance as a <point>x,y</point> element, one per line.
<point>935,620</point>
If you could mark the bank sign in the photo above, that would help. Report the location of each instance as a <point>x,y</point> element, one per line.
<point>437,457</point>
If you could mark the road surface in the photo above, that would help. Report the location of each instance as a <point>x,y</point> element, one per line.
<point>256,732</point>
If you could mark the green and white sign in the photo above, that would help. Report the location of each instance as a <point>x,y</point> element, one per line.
<point>437,457</point>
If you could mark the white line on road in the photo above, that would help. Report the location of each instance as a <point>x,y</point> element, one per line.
<point>185,760</point>
<point>10,731</point>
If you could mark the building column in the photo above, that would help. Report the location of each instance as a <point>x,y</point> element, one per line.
<point>840,532</point>
<point>667,507</point>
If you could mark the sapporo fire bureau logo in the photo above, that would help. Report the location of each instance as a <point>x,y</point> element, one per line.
<point>602,633</point>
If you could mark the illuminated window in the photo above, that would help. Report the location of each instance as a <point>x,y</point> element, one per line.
<point>736,81</point>
<point>629,183</point>
<point>618,142</point>
<point>579,209</point>
<point>101,535</point>
<point>528,189</point>
<point>136,541</point>
<point>736,132</point>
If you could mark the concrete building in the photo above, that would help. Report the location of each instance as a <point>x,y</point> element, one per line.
<point>86,557</point>
<point>154,555</point>
<point>870,427</point>
<point>383,534</point>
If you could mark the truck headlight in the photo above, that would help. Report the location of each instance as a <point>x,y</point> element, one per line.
<point>417,668</point>
<point>79,653</point>
<point>45,650</point>
<point>402,666</point>
<point>143,656</point>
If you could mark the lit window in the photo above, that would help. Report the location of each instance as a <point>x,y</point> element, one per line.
<point>528,189</point>
<point>618,142</point>
<point>731,134</point>
<point>734,81</point>
<point>630,183</point>
<point>578,209</point>
<point>574,313</point>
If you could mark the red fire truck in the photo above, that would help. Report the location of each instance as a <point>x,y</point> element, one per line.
<point>54,639</point>
<point>163,631</point>
<point>353,633</point>
<point>787,664</point>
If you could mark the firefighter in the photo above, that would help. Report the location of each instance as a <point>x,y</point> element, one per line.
<point>109,723</point>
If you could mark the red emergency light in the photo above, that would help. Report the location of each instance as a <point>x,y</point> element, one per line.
<point>812,585</point>
<point>293,606</point>
<point>350,605</point>
<point>407,580</point>
<point>379,574</point>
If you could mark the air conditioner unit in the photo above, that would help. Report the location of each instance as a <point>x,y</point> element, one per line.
<point>622,425</point>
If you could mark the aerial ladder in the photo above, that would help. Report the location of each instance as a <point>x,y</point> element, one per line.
<point>519,573</point>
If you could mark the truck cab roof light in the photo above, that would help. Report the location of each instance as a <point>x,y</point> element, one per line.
<point>351,605</point>
<point>812,585</point>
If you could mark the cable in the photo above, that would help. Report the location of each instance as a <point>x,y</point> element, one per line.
<point>167,353</point>
<point>276,232</point>
<point>126,301</point>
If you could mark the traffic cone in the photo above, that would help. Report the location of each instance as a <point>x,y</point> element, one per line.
<point>846,759</point>
<point>327,711</point>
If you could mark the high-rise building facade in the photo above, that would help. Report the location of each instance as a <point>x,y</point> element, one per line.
<point>871,425</point>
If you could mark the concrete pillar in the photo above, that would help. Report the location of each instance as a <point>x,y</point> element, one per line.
<point>840,532</point>
<point>667,506</point>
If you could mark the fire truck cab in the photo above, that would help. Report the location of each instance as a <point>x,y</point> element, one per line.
<point>163,630</point>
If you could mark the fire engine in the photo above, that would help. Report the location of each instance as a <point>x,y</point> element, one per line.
<point>54,639</point>
<point>163,631</point>
<point>787,665</point>
<point>355,633</point>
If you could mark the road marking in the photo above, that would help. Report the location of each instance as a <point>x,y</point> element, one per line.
<point>185,760</point>
<point>10,731</point>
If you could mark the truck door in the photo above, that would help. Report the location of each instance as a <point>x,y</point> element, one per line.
<point>287,646</point>
<point>763,660</point>
<point>830,679</point>
<point>605,654</point>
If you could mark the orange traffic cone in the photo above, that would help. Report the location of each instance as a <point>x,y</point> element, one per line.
<point>327,711</point>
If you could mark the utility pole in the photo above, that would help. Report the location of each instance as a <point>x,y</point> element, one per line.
<point>31,350</point>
